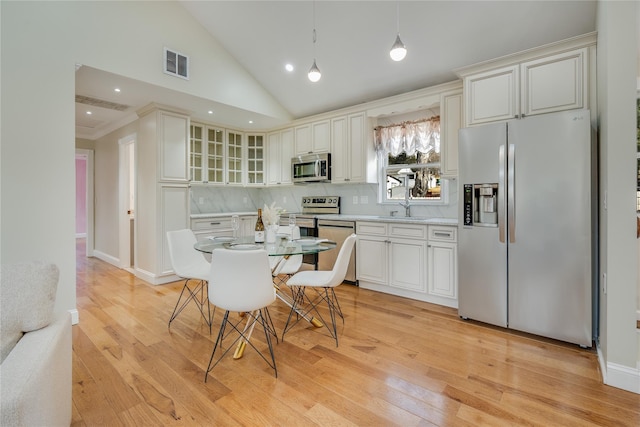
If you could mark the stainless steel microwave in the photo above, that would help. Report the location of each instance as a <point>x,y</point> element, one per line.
<point>311,168</point>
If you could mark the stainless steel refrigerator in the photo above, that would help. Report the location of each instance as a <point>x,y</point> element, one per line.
<point>524,251</point>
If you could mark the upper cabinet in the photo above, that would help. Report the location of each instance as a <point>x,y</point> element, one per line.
<point>255,160</point>
<point>555,83</point>
<point>543,80</point>
<point>352,153</point>
<point>450,123</point>
<point>492,95</point>
<point>313,137</point>
<point>207,154</point>
<point>221,156</point>
<point>279,154</point>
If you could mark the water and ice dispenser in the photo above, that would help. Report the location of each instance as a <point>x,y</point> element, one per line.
<point>481,205</point>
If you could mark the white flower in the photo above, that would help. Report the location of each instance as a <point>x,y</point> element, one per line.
<point>271,214</point>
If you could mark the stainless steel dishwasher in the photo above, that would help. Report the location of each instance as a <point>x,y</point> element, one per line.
<point>337,231</point>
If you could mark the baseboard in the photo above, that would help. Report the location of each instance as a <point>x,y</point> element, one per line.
<point>75,318</point>
<point>619,376</point>
<point>107,258</point>
<point>155,279</point>
<point>623,377</point>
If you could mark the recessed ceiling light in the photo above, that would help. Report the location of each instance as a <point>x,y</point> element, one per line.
<point>251,122</point>
<point>89,113</point>
<point>288,67</point>
<point>210,112</point>
<point>117,89</point>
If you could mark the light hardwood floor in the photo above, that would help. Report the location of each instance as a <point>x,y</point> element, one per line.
<point>400,362</point>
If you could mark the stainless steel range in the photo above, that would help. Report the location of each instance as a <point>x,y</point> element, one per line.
<point>313,207</point>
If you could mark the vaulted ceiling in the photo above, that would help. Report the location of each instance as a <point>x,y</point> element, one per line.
<point>353,39</point>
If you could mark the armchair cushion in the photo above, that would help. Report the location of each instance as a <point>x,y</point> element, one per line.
<point>27,297</point>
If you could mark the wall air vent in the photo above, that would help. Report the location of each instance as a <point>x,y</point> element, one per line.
<point>176,64</point>
<point>101,103</point>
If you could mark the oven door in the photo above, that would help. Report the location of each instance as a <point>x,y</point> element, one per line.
<point>308,228</point>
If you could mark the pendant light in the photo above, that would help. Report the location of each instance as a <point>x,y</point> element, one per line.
<point>398,50</point>
<point>314,73</point>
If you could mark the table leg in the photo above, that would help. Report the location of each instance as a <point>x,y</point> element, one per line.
<point>243,342</point>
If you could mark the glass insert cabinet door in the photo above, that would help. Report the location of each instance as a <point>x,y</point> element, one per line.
<point>255,159</point>
<point>234,158</point>
<point>207,154</point>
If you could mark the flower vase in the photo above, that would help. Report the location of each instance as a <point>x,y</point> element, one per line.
<point>271,233</point>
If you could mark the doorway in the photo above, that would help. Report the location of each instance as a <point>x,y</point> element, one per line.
<point>84,198</point>
<point>127,201</point>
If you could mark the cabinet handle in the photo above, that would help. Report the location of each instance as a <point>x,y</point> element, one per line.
<point>214,223</point>
<point>442,234</point>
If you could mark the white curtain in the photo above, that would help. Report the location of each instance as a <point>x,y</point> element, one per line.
<point>408,137</point>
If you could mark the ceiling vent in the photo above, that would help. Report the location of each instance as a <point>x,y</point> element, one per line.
<point>101,103</point>
<point>176,64</point>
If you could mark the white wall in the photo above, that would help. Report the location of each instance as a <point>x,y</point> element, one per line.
<point>616,75</point>
<point>41,43</point>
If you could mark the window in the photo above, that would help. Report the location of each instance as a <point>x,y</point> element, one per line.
<point>409,153</point>
<point>419,175</point>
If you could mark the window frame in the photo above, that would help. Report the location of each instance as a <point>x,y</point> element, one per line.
<point>382,183</point>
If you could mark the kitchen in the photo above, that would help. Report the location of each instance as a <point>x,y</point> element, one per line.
<point>365,194</point>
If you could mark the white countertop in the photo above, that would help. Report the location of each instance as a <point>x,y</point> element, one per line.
<point>219,214</point>
<point>387,218</point>
<point>347,217</point>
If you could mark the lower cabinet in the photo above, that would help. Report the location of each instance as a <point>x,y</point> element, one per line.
<point>218,226</point>
<point>411,260</point>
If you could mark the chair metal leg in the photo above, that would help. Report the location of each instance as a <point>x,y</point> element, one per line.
<point>244,334</point>
<point>304,305</point>
<point>199,295</point>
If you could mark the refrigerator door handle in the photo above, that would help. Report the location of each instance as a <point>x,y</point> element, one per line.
<point>501,198</point>
<point>511,193</point>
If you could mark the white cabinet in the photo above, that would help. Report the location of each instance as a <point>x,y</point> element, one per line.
<point>372,254</point>
<point>411,260</point>
<point>173,131</point>
<point>554,82</point>
<point>392,258</point>
<point>443,265</point>
<point>207,154</point>
<point>220,225</point>
<point>212,227</point>
<point>162,189</point>
<point>255,162</point>
<point>234,155</point>
<point>492,95</point>
<point>279,153</point>
<point>352,153</point>
<point>450,124</point>
<point>313,137</point>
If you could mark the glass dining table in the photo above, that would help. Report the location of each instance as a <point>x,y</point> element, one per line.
<point>282,247</point>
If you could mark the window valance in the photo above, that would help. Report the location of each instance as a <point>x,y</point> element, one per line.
<point>420,135</point>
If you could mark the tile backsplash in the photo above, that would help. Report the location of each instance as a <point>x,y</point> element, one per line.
<point>355,199</point>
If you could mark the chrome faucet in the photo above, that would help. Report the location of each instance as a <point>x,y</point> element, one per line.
<point>406,204</point>
<point>407,207</point>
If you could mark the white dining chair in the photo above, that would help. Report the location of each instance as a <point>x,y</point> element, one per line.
<point>192,266</point>
<point>323,282</point>
<point>240,281</point>
<point>282,268</point>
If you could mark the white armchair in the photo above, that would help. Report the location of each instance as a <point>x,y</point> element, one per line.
<point>35,352</point>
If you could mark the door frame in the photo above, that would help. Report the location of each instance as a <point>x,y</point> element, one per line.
<point>89,197</point>
<point>124,183</point>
